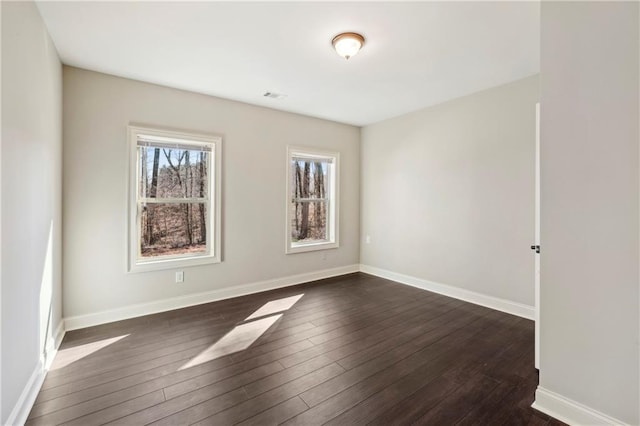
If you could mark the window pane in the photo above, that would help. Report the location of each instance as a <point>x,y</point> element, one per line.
<point>309,178</point>
<point>309,222</point>
<point>172,173</point>
<point>173,229</point>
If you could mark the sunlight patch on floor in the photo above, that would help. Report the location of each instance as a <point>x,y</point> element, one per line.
<point>76,353</point>
<point>245,334</point>
<point>238,339</point>
<point>275,306</point>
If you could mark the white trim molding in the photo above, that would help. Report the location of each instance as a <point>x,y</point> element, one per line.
<point>132,311</point>
<point>333,199</point>
<point>503,305</point>
<point>570,411</point>
<point>21,410</point>
<point>51,349</point>
<point>146,136</point>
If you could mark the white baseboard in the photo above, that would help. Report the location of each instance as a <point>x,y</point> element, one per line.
<point>21,410</point>
<point>53,344</point>
<point>132,311</point>
<point>569,411</point>
<point>52,348</point>
<point>498,304</point>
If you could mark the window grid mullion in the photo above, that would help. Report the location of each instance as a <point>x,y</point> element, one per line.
<point>173,200</point>
<point>309,200</point>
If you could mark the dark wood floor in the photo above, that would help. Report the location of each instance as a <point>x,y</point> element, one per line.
<point>352,350</point>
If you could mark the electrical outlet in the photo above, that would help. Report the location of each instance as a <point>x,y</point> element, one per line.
<point>367,239</point>
<point>180,276</point>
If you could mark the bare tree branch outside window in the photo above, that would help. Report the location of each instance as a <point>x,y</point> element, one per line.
<point>174,187</point>
<point>309,200</point>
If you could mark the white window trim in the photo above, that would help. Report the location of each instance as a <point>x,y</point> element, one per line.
<point>214,245</point>
<point>334,207</point>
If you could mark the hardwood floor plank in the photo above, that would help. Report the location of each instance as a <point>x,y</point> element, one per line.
<point>414,334</point>
<point>382,402</point>
<point>359,340</point>
<point>370,408</point>
<point>207,414</point>
<point>286,375</point>
<point>414,406</point>
<point>339,395</point>
<point>460,402</point>
<point>116,364</point>
<point>278,414</point>
<point>88,379</point>
<point>153,416</point>
<point>206,393</point>
<point>47,394</point>
<point>479,349</point>
<point>482,410</point>
<point>105,415</point>
<point>120,397</point>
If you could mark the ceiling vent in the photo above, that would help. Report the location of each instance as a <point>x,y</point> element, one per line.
<point>274,95</point>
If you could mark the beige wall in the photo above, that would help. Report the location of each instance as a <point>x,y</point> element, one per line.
<point>31,197</point>
<point>97,109</point>
<point>448,192</point>
<point>590,194</point>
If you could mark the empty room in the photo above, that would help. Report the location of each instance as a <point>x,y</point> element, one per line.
<point>309,213</point>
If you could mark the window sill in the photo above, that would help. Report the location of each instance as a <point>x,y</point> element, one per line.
<point>160,265</point>
<point>303,248</point>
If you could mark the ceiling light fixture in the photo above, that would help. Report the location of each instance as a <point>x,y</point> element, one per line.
<point>348,44</point>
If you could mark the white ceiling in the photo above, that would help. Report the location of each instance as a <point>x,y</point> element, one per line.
<point>416,54</point>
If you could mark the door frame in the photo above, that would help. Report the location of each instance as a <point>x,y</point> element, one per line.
<point>537,241</point>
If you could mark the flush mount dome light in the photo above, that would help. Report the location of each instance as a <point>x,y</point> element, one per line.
<point>347,44</point>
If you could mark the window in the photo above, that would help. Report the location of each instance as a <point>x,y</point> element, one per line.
<point>174,217</point>
<point>312,200</point>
